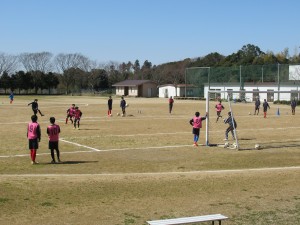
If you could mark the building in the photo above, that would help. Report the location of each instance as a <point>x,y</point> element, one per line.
<point>272,87</point>
<point>179,90</point>
<point>136,88</point>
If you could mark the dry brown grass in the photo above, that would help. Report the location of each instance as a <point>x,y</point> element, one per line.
<point>147,168</point>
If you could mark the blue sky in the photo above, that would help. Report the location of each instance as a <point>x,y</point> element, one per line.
<point>159,31</point>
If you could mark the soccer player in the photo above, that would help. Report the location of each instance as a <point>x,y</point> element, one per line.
<point>265,106</point>
<point>109,104</point>
<point>11,97</point>
<point>77,116</point>
<point>232,125</point>
<point>34,137</point>
<point>35,107</point>
<point>196,122</point>
<point>53,131</point>
<point>123,106</point>
<point>257,105</point>
<point>293,106</point>
<point>70,113</point>
<point>171,103</point>
<point>219,107</point>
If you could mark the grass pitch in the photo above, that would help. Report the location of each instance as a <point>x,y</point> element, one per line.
<point>127,170</point>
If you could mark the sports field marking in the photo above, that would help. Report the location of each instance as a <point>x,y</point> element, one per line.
<point>84,146</point>
<point>121,149</point>
<point>97,150</point>
<point>158,173</point>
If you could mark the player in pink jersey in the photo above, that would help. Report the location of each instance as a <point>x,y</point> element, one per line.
<point>196,122</point>
<point>219,107</point>
<point>34,137</point>
<point>53,131</point>
<point>77,116</point>
<point>70,113</point>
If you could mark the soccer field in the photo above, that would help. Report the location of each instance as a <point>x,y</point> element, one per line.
<point>127,170</point>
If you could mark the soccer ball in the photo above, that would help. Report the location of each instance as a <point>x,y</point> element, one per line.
<point>127,105</point>
<point>234,145</point>
<point>226,145</point>
<point>87,105</point>
<point>249,113</point>
<point>118,114</point>
<point>257,147</point>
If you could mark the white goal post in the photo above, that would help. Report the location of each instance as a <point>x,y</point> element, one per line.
<point>236,101</point>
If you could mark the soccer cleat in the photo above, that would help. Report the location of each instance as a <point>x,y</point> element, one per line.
<point>58,161</point>
<point>195,144</point>
<point>52,162</point>
<point>225,139</point>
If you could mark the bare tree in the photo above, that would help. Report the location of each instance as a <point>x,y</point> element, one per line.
<point>64,62</point>
<point>8,63</point>
<point>68,64</point>
<point>40,61</point>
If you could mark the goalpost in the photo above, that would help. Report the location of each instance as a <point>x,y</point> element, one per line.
<point>252,131</point>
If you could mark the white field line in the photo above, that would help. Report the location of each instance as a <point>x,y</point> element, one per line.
<point>117,119</point>
<point>84,146</point>
<point>97,150</point>
<point>232,171</point>
<point>122,149</point>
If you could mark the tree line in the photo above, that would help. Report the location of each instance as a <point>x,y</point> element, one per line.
<point>33,72</point>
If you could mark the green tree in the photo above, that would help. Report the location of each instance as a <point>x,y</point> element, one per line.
<point>5,81</point>
<point>50,80</point>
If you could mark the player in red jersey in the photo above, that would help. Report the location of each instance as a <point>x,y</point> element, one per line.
<point>196,122</point>
<point>34,137</point>
<point>171,102</point>
<point>70,113</point>
<point>219,107</point>
<point>77,116</point>
<point>53,131</point>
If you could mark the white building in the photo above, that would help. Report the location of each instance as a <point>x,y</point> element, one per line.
<point>179,90</point>
<point>271,96</point>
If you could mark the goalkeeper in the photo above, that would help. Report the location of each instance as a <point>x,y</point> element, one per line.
<point>232,125</point>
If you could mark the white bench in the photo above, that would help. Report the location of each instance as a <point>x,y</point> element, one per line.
<point>187,220</point>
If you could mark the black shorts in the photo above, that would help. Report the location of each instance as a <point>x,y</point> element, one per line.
<point>196,131</point>
<point>53,145</point>
<point>33,144</point>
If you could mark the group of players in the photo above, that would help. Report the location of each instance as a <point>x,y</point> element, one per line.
<point>196,121</point>
<point>53,130</point>
<point>74,114</point>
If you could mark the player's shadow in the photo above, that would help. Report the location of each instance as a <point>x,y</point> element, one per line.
<point>88,129</point>
<point>75,162</point>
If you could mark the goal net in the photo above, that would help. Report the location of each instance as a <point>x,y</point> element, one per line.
<point>252,129</point>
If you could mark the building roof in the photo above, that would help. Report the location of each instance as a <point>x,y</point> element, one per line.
<point>177,85</point>
<point>132,83</point>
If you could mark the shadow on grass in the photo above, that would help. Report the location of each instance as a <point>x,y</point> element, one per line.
<point>72,162</point>
<point>88,129</point>
<point>275,145</point>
